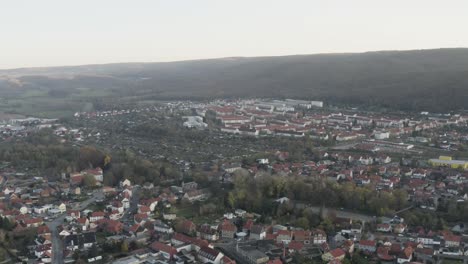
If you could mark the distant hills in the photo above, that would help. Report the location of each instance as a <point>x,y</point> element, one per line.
<point>433,80</point>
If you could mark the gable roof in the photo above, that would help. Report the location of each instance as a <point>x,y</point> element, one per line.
<point>209,253</point>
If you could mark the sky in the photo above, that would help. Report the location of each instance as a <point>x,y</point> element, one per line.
<point>73,32</point>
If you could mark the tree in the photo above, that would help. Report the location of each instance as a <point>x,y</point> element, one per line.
<point>231,200</point>
<point>109,178</point>
<point>89,181</point>
<point>90,157</point>
<point>302,222</point>
<point>124,246</point>
<point>358,259</point>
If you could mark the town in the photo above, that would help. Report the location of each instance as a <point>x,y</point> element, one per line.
<point>235,181</point>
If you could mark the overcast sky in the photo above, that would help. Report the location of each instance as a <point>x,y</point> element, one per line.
<point>70,32</point>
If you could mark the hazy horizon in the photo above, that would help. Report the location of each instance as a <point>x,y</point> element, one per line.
<point>55,33</point>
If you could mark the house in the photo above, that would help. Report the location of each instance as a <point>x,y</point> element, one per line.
<point>125,203</point>
<point>24,210</point>
<point>33,222</point>
<point>43,251</point>
<point>209,255</point>
<point>189,186</point>
<point>143,209</point>
<point>257,232</point>
<point>83,222</point>
<point>96,216</point>
<point>187,227</point>
<point>196,195</point>
<point>240,212</point>
<point>137,230</point>
<point>319,237</point>
<point>76,179</point>
<point>227,260</point>
<point>167,251</point>
<point>96,173</point>
<point>247,226</point>
<point>206,232</point>
<point>43,230</point>
<point>405,255</point>
<point>111,226</point>
<point>125,183</point>
<point>425,239</point>
<point>43,240</point>
<point>228,229</point>
<point>399,228</point>
<point>80,241</point>
<point>284,236</point>
<point>65,233</point>
<point>384,227</point>
<point>335,254</point>
<point>452,240</point>
<point>115,215</point>
<point>62,208</point>
<point>295,246</point>
<point>42,209</point>
<point>161,227</point>
<point>368,245</point>
<point>169,216</point>
<point>74,214</point>
<point>138,218</point>
<point>148,186</point>
<point>302,236</point>
<point>348,246</point>
<point>384,159</point>
<point>127,192</point>
<point>88,239</point>
<point>117,205</point>
<point>183,242</point>
<point>151,203</point>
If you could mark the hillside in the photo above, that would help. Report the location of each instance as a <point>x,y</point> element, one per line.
<point>424,79</point>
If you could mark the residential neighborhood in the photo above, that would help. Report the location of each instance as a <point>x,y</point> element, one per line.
<point>362,191</point>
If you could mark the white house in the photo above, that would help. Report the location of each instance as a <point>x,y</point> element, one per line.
<point>62,208</point>
<point>125,183</point>
<point>209,255</point>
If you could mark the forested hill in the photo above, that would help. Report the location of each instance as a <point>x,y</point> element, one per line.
<point>432,80</point>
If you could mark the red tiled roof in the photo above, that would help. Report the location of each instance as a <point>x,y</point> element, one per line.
<point>43,229</point>
<point>284,233</point>
<point>367,243</point>
<point>158,246</point>
<point>452,238</point>
<point>98,214</point>
<point>275,261</point>
<point>337,252</point>
<point>295,245</point>
<point>228,226</point>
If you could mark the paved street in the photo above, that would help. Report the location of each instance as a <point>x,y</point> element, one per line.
<point>133,204</point>
<point>57,243</point>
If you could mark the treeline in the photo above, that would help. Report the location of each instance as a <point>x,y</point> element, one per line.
<point>126,165</point>
<point>408,80</point>
<point>41,150</point>
<point>251,193</point>
<point>44,152</point>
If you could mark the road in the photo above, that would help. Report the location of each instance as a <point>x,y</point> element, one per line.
<point>133,204</point>
<point>57,243</point>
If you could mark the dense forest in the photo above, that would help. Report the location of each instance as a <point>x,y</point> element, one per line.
<point>434,80</point>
